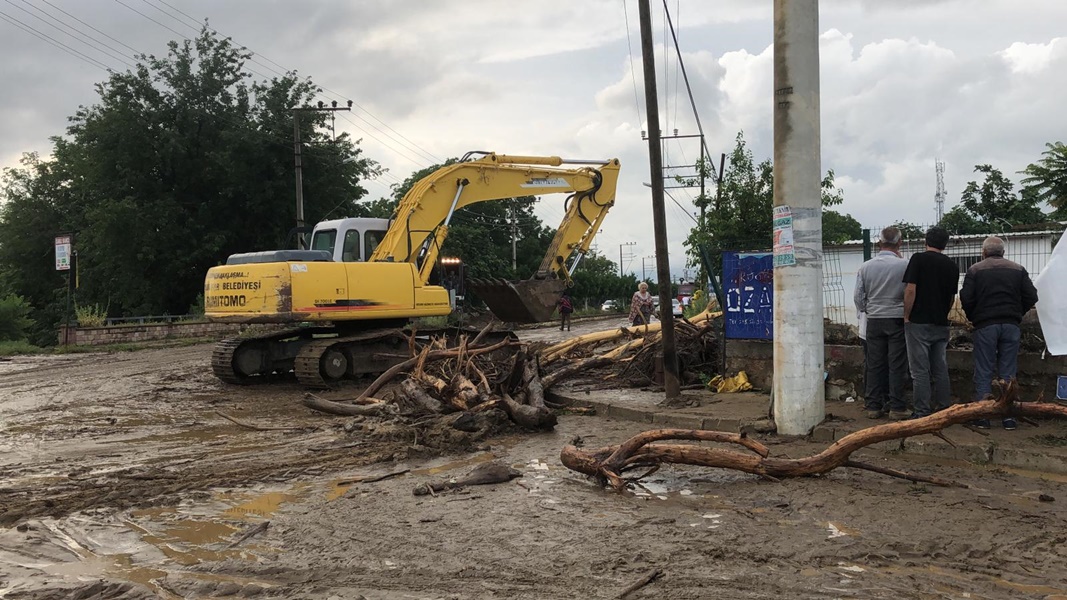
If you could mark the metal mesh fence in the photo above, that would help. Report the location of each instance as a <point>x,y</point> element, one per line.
<point>1031,249</point>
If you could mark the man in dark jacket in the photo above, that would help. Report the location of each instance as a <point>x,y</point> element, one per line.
<point>996,294</point>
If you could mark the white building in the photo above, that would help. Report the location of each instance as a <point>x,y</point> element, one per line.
<point>1031,249</point>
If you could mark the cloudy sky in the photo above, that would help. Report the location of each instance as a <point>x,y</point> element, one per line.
<point>904,82</point>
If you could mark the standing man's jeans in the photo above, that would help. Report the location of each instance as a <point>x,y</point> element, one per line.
<point>996,352</point>
<point>887,364</point>
<point>929,368</point>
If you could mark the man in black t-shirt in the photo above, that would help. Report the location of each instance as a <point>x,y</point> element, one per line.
<point>930,284</point>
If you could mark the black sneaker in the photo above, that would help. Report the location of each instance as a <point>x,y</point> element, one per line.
<point>981,423</point>
<point>1009,424</point>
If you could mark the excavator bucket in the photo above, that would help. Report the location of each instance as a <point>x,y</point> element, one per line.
<point>526,301</point>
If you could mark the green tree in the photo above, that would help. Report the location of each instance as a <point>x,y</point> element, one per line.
<point>1046,180</point>
<point>910,231</point>
<point>739,217</point>
<point>14,318</point>
<point>597,279</point>
<point>182,161</point>
<point>960,221</point>
<point>994,202</point>
<point>837,228</point>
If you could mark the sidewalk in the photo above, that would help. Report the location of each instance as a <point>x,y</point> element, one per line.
<point>1042,448</point>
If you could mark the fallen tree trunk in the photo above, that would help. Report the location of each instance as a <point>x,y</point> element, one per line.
<point>608,464</point>
<point>573,369</point>
<point>530,417</point>
<point>337,408</point>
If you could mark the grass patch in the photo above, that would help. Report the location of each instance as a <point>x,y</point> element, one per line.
<point>11,348</point>
<point>1050,439</point>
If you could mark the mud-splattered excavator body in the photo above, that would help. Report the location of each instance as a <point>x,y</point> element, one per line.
<point>351,294</point>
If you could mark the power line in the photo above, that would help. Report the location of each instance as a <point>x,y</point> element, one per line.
<point>91,27</point>
<point>688,88</point>
<point>398,139</point>
<point>54,42</point>
<point>633,75</point>
<point>151,19</point>
<point>120,56</point>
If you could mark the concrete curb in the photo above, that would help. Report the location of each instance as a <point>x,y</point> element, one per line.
<point>986,453</point>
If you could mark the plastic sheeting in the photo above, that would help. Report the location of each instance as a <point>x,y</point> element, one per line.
<point>725,385</point>
<point>1051,286</point>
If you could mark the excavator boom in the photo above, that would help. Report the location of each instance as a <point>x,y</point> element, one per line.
<point>421,222</point>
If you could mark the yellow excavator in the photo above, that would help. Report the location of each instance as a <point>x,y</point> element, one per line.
<point>363,279</point>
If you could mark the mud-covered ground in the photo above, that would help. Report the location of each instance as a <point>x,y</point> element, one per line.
<point>118,479</point>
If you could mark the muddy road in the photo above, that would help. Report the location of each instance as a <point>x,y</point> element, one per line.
<point>120,479</point>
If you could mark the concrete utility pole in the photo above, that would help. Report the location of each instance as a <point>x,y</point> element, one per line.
<point>621,246</point>
<point>659,215</point>
<point>799,391</point>
<point>298,160</point>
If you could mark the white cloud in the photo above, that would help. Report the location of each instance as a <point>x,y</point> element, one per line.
<point>902,83</point>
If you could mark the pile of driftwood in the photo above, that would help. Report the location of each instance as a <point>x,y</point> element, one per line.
<point>643,453</point>
<point>630,355</point>
<point>471,378</point>
<point>473,382</point>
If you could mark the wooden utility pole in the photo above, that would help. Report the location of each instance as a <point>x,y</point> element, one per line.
<point>659,217</point>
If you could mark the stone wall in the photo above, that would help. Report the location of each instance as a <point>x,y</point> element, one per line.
<point>845,363</point>
<point>126,334</point>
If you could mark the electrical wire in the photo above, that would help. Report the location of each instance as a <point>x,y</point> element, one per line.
<point>689,89</point>
<point>395,140</point>
<point>633,75</point>
<point>121,56</point>
<point>91,27</point>
<point>49,39</point>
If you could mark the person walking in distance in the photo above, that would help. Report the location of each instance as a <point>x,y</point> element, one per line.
<point>996,294</point>
<point>930,284</point>
<point>880,296</point>
<point>641,305</point>
<point>566,307</point>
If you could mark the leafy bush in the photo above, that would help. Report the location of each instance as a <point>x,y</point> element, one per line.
<point>14,318</point>
<point>19,347</point>
<point>91,316</point>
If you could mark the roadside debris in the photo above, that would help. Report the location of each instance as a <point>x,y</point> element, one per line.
<point>486,474</point>
<point>609,464</point>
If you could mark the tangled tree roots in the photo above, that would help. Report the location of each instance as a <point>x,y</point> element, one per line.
<point>609,465</point>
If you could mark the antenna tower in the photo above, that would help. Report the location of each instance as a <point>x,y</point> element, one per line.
<point>939,194</point>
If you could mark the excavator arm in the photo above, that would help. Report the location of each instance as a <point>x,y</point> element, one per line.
<point>421,221</point>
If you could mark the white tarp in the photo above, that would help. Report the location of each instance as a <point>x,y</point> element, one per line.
<point>1051,286</point>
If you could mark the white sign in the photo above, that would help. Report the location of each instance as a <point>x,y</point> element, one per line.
<point>784,253</point>
<point>62,252</point>
<point>543,182</point>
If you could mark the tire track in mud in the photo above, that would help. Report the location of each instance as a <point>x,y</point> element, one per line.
<point>143,486</point>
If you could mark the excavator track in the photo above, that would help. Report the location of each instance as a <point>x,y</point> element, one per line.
<point>324,362</point>
<point>222,361</point>
<point>321,357</point>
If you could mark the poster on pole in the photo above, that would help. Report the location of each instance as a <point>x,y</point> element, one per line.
<point>63,252</point>
<point>784,254</point>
